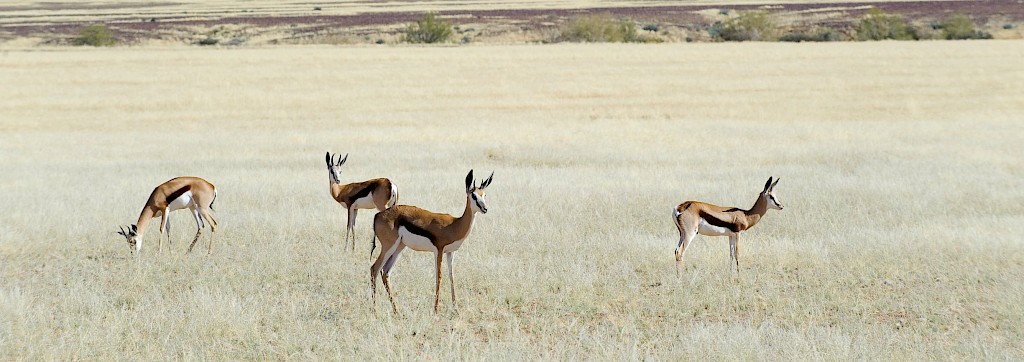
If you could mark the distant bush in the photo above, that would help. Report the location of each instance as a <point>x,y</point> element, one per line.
<point>95,35</point>
<point>959,27</point>
<point>651,28</point>
<point>820,35</point>
<point>748,26</point>
<point>428,30</point>
<point>209,41</point>
<point>877,25</point>
<point>599,28</point>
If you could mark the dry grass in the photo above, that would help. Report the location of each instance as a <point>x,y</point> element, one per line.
<point>900,167</point>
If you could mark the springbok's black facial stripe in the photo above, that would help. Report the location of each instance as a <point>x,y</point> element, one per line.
<point>477,201</point>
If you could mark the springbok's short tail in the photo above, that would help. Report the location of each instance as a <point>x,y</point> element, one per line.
<point>394,196</point>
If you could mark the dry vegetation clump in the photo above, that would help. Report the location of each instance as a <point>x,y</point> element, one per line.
<point>599,28</point>
<point>604,28</point>
<point>428,30</point>
<point>814,35</point>
<point>747,26</point>
<point>958,26</point>
<point>879,25</point>
<point>97,35</point>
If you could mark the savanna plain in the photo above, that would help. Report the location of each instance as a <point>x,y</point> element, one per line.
<point>900,167</point>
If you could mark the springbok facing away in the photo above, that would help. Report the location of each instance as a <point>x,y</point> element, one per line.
<point>178,193</point>
<point>377,193</point>
<point>693,217</point>
<point>421,230</point>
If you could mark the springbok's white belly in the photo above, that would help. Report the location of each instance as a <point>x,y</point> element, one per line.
<point>414,241</point>
<point>710,230</point>
<point>453,246</point>
<point>183,201</point>
<point>366,202</point>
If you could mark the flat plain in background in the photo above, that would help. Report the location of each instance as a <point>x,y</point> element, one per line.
<point>900,168</point>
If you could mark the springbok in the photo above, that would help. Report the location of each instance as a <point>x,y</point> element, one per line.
<point>695,217</point>
<point>377,193</point>
<point>178,193</point>
<point>421,230</point>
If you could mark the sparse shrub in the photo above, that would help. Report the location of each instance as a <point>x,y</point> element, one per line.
<point>379,41</point>
<point>95,35</point>
<point>209,41</point>
<point>598,28</point>
<point>878,25</point>
<point>959,27</point>
<point>820,35</point>
<point>747,26</point>
<point>651,28</point>
<point>428,30</point>
<point>1007,26</point>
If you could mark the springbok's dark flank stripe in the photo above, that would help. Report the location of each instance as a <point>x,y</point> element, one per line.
<point>402,222</point>
<point>734,209</point>
<point>719,222</point>
<point>176,194</point>
<point>361,194</point>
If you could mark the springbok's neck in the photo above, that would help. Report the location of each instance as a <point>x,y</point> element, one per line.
<point>144,218</point>
<point>464,223</point>
<point>756,212</point>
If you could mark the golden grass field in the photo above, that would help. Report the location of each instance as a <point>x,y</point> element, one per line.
<point>900,166</point>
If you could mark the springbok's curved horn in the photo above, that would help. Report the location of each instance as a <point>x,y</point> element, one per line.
<point>487,182</point>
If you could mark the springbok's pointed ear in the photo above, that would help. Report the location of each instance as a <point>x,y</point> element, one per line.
<point>469,181</point>
<point>328,157</point>
<point>487,182</point>
<point>773,184</point>
<point>768,184</point>
<point>342,162</point>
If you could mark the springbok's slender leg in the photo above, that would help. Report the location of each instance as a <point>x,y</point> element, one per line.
<point>451,277</point>
<point>734,240</point>
<point>437,289</point>
<point>385,261</point>
<point>387,270</point>
<point>352,227</point>
<point>213,228</point>
<point>163,221</point>
<point>685,238</point>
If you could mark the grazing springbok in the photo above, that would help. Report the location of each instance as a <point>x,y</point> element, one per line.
<point>377,193</point>
<point>178,193</point>
<point>421,230</point>
<point>695,217</point>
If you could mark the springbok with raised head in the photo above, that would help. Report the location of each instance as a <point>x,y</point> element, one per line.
<point>377,193</point>
<point>421,230</point>
<point>695,217</point>
<point>178,193</point>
